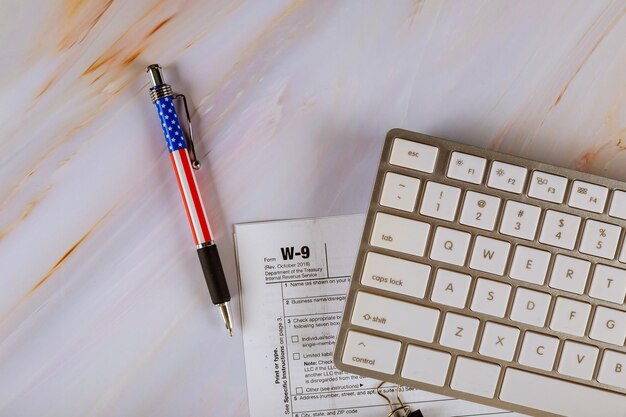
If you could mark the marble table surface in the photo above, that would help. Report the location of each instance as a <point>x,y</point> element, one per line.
<point>103,311</point>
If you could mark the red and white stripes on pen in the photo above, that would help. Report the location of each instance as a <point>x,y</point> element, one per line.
<point>198,221</point>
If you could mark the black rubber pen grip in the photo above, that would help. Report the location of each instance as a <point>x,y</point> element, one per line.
<point>214,274</point>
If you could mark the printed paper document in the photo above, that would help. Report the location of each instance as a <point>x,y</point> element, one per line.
<point>294,275</point>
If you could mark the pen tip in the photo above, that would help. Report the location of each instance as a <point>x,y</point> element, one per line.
<point>224,309</point>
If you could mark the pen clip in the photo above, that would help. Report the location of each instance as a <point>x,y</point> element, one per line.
<point>192,150</point>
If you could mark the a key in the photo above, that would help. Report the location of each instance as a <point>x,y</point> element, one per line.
<point>399,191</point>
<point>600,239</point>
<point>530,307</point>
<point>491,297</point>
<point>451,288</point>
<point>548,187</point>
<point>578,360</point>
<point>426,365</point>
<point>559,397</point>
<point>613,369</point>
<point>468,168</point>
<point>618,205</point>
<point>400,234</point>
<point>459,332</point>
<point>490,255</point>
<point>475,377</point>
<point>608,284</point>
<point>520,220</point>
<point>569,274</point>
<point>570,316</point>
<point>371,352</point>
<point>480,210</point>
<point>499,341</point>
<point>394,274</point>
<point>559,229</point>
<point>586,196</point>
<point>389,315</point>
<point>507,177</point>
<point>530,265</point>
<point>538,351</point>
<point>417,156</point>
<point>440,201</point>
<point>450,246</point>
<point>608,326</point>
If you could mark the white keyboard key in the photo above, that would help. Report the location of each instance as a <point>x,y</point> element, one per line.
<point>586,196</point>
<point>468,168</point>
<point>426,365</point>
<point>480,210</point>
<point>538,351</point>
<point>530,307</point>
<point>600,239</point>
<point>400,234</point>
<point>399,191</point>
<point>559,229</point>
<point>389,315</point>
<point>613,370</point>
<point>450,246</point>
<point>475,377</point>
<point>570,274</point>
<point>547,187</point>
<point>371,352</point>
<point>490,255</point>
<point>459,332</point>
<point>559,397</point>
<point>413,155</point>
<point>618,205</point>
<point>451,288</point>
<point>507,177</point>
<point>578,360</point>
<point>609,326</point>
<point>394,274</point>
<point>608,284</point>
<point>530,265</point>
<point>491,297</point>
<point>440,201</point>
<point>622,256</point>
<point>570,316</point>
<point>499,341</point>
<point>520,220</point>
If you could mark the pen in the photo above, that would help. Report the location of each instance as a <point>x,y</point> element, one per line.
<point>183,157</point>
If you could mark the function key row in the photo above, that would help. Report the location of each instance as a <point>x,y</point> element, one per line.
<point>508,177</point>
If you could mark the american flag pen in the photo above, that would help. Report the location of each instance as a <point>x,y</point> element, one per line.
<point>180,151</point>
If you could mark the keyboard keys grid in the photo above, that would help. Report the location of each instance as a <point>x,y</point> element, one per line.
<point>451,224</point>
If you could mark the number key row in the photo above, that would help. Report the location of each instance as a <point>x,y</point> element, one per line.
<point>519,220</point>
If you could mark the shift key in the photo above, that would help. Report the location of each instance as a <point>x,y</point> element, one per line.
<point>400,234</point>
<point>395,317</point>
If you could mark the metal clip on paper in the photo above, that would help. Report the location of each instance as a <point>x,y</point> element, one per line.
<point>398,408</point>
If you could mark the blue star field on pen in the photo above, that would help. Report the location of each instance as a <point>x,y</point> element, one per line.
<point>170,124</point>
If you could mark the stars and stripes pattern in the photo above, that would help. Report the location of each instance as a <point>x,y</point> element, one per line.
<point>170,124</point>
<point>179,156</point>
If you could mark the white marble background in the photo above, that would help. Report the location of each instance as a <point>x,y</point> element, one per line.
<point>103,310</point>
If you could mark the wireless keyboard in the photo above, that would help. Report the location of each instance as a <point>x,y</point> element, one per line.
<point>490,278</point>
